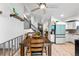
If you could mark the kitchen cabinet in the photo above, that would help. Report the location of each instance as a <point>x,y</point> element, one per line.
<point>71,25</point>
<point>71,37</point>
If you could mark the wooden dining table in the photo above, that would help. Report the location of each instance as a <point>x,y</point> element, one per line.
<point>25,43</point>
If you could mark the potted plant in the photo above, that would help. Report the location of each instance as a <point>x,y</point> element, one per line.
<point>37,34</point>
<point>46,34</point>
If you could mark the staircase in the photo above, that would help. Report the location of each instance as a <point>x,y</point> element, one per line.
<point>32,26</point>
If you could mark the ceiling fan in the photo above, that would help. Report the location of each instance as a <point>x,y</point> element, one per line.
<point>43,6</point>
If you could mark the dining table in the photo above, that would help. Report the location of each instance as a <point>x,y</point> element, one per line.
<point>25,43</point>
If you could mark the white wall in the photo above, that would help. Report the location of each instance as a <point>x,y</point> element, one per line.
<point>9,26</point>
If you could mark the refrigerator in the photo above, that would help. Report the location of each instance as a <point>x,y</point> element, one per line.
<point>56,32</point>
<point>60,33</point>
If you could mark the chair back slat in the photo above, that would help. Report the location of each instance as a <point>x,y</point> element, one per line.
<point>36,46</point>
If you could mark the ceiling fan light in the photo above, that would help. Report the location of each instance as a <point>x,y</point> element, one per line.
<point>42,6</point>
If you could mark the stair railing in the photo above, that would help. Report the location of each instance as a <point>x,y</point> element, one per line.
<point>10,47</point>
<point>32,26</point>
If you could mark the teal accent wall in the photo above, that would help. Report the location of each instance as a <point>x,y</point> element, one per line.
<point>53,27</point>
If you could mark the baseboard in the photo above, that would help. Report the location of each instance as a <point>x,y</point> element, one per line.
<point>69,42</point>
<point>60,43</point>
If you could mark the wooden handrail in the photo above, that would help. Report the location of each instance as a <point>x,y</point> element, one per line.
<point>15,16</point>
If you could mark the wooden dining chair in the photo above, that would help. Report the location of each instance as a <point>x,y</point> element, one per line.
<point>36,47</point>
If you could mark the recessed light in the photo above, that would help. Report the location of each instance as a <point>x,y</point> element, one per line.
<point>62,15</point>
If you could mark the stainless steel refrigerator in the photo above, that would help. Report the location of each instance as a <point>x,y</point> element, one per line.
<point>60,33</point>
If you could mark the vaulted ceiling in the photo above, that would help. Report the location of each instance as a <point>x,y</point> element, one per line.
<point>66,9</point>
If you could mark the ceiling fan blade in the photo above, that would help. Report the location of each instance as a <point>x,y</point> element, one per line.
<point>25,9</point>
<point>51,7</point>
<point>35,9</point>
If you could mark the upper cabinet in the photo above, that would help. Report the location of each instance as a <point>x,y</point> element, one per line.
<point>71,25</point>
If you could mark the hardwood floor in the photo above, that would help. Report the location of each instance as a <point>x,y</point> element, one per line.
<point>67,49</point>
<point>6,52</point>
<point>1,52</point>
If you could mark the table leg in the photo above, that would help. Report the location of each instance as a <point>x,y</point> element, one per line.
<point>21,49</point>
<point>49,50</point>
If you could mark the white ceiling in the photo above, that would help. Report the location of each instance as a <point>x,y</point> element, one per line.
<point>67,9</point>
